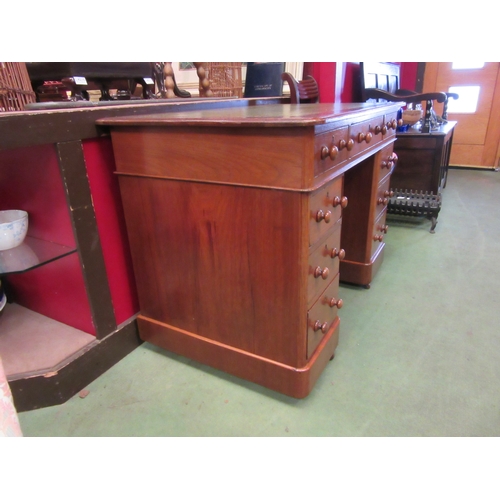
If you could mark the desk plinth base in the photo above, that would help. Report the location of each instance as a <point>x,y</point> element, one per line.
<point>359,273</point>
<point>296,382</point>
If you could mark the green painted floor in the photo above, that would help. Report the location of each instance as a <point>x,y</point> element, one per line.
<point>419,352</point>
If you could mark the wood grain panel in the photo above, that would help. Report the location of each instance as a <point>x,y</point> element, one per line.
<point>218,261</point>
<point>260,157</point>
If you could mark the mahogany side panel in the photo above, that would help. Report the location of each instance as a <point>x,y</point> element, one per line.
<point>218,261</point>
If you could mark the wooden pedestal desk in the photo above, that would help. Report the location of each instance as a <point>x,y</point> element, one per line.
<point>238,221</point>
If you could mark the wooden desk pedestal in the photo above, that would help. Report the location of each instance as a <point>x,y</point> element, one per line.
<point>237,224</point>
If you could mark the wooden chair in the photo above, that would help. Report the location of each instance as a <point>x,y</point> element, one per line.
<point>380,81</point>
<point>164,78</point>
<point>301,91</point>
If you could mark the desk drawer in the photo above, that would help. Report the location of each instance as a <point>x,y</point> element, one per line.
<point>370,132</point>
<point>383,196</point>
<point>325,208</point>
<point>379,231</point>
<point>330,150</point>
<point>388,162</point>
<point>322,315</point>
<point>365,134</point>
<point>324,263</point>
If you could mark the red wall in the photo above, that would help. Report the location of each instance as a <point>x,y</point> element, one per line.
<point>325,74</point>
<point>111,226</point>
<point>409,75</point>
<point>30,180</point>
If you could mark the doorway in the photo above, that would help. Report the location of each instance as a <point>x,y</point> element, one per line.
<point>477,111</point>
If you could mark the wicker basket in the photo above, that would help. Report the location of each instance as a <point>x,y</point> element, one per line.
<point>225,79</point>
<point>15,87</point>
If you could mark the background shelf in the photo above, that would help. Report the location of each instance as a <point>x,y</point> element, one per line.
<point>32,253</point>
<point>32,343</point>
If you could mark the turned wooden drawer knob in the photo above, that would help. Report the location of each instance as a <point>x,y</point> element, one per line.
<point>378,237</point>
<point>326,216</point>
<point>325,153</point>
<point>342,144</point>
<point>340,201</point>
<point>338,303</point>
<point>377,129</point>
<point>335,252</point>
<point>321,272</point>
<point>384,229</point>
<point>391,160</point>
<point>382,201</point>
<point>384,130</point>
<point>350,144</point>
<point>390,164</point>
<point>320,326</point>
<point>334,151</point>
<point>365,137</point>
<point>389,194</point>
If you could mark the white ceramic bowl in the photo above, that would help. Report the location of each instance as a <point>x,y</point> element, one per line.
<point>13,228</point>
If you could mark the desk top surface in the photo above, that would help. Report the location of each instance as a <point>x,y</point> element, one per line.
<point>269,115</point>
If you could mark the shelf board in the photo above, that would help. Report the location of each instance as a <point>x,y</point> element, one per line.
<point>31,343</point>
<point>32,253</point>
